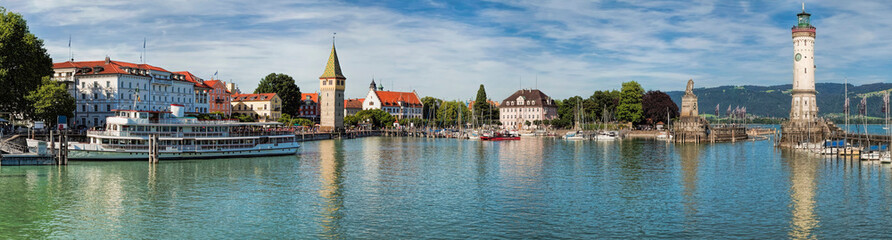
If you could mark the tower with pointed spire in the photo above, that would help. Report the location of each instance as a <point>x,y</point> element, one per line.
<point>331,96</point>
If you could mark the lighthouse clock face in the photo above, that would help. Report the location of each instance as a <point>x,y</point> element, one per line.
<point>798,57</point>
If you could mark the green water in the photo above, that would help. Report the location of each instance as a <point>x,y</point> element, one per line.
<point>386,188</point>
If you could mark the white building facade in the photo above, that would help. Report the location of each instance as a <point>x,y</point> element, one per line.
<point>102,86</point>
<point>398,104</point>
<point>526,105</point>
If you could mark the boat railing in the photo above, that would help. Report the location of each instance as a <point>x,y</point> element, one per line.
<point>190,134</point>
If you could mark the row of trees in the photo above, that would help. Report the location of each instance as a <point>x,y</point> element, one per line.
<point>630,104</point>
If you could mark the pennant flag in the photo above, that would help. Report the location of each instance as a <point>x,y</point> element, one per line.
<point>69,40</point>
<point>728,112</point>
<point>862,108</point>
<point>716,110</point>
<point>885,101</point>
<point>846,106</point>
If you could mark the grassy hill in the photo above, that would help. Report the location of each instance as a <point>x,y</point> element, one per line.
<point>774,101</point>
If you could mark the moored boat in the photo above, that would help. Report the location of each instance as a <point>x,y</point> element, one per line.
<point>497,136</point>
<point>127,136</point>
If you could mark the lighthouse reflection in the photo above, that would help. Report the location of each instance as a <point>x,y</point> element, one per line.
<point>803,170</point>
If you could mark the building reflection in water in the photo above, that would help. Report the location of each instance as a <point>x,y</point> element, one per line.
<point>331,166</point>
<point>690,165</point>
<point>803,170</point>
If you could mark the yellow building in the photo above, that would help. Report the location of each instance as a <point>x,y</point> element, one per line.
<point>265,107</point>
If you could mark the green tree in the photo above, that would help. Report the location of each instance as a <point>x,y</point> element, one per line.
<point>303,122</point>
<point>483,110</point>
<point>377,117</point>
<point>431,105</point>
<point>284,86</point>
<point>51,99</point>
<point>351,120</point>
<point>23,63</point>
<point>243,117</point>
<point>629,108</point>
<point>602,102</point>
<point>452,113</point>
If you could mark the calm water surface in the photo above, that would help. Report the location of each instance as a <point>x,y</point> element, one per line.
<point>385,188</point>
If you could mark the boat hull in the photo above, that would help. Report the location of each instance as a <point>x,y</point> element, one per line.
<point>499,138</point>
<point>106,155</point>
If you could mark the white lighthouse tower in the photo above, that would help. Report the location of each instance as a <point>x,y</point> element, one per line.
<point>804,107</point>
<point>804,129</point>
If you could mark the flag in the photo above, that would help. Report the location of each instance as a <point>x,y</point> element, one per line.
<point>716,110</point>
<point>215,74</point>
<point>143,43</point>
<point>743,114</point>
<point>69,40</point>
<point>885,101</point>
<point>728,112</point>
<point>862,108</point>
<point>846,106</point>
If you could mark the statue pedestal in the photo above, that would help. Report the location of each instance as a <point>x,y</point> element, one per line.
<point>690,129</point>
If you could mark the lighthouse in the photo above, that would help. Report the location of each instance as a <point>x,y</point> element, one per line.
<point>804,108</point>
<point>804,129</point>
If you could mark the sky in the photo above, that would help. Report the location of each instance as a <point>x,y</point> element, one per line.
<point>446,49</point>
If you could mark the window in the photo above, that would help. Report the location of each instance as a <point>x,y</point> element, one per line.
<point>107,83</point>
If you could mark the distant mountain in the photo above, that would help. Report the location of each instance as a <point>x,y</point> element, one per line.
<point>774,101</point>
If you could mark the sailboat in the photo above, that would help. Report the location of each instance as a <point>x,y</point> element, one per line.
<point>578,134</point>
<point>847,150</point>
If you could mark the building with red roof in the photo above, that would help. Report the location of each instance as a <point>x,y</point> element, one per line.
<point>352,106</point>
<point>264,107</point>
<point>219,97</point>
<point>399,104</point>
<point>309,107</point>
<point>102,86</point>
<point>200,104</point>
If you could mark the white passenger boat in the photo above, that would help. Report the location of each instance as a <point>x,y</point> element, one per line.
<point>126,137</point>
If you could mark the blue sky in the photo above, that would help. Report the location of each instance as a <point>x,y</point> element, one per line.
<point>447,48</point>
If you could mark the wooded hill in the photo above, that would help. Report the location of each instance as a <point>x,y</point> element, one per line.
<point>774,101</point>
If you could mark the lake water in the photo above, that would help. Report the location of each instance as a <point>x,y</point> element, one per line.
<point>396,188</point>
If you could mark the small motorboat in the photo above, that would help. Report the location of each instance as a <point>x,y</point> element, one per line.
<point>497,136</point>
<point>575,136</point>
<point>885,157</point>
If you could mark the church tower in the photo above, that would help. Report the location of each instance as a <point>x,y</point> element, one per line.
<point>331,96</point>
<point>804,108</point>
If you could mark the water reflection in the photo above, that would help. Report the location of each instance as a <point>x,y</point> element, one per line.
<point>803,169</point>
<point>690,164</point>
<point>331,167</point>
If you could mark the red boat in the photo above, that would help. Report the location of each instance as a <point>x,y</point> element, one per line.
<point>500,137</point>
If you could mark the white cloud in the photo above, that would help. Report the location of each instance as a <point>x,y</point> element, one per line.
<point>574,47</point>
